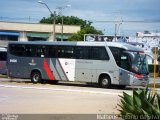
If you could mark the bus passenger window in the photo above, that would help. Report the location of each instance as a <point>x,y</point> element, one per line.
<point>30,51</point>
<point>116,54</point>
<point>99,53</point>
<point>3,56</point>
<point>17,50</point>
<point>52,51</point>
<point>41,51</point>
<point>82,52</point>
<point>65,52</point>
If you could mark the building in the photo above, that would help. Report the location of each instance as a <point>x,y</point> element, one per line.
<point>148,41</point>
<point>14,31</point>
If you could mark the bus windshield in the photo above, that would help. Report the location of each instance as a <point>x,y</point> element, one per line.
<point>139,63</point>
<point>133,61</point>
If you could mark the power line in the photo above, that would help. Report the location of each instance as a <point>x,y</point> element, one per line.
<point>126,21</point>
<point>19,18</point>
<point>95,21</point>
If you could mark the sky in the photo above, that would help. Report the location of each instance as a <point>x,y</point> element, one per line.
<point>130,16</point>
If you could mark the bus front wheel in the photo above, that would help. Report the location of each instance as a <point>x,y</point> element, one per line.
<point>105,82</point>
<point>36,77</point>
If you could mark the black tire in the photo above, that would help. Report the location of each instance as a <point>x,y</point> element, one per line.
<point>105,82</point>
<point>36,77</point>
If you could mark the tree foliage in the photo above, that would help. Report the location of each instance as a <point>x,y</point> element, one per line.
<point>86,27</point>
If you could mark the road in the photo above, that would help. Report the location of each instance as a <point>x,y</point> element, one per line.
<point>17,96</point>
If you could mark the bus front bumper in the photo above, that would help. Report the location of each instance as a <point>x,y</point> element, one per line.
<point>139,81</point>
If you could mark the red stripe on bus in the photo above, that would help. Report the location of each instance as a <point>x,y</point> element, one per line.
<point>47,70</point>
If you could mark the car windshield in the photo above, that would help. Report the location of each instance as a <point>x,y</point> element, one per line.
<point>139,63</point>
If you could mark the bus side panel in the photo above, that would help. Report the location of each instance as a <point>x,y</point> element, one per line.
<point>52,64</point>
<point>21,67</point>
<point>43,65</point>
<point>50,68</point>
<point>106,68</point>
<point>3,67</point>
<point>112,68</point>
<point>16,67</point>
<point>124,77</point>
<point>56,67</point>
<point>66,69</point>
<point>83,70</point>
<point>3,59</point>
<point>89,70</point>
<point>76,70</point>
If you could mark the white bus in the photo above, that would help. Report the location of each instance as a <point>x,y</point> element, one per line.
<point>105,63</point>
<point>3,59</point>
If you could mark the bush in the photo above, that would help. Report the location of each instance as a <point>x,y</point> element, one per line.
<point>141,105</point>
<point>151,68</point>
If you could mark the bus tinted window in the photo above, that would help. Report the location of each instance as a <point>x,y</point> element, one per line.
<point>124,63</point>
<point>3,56</point>
<point>82,52</point>
<point>52,51</point>
<point>99,53</point>
<point>30,50</point>
<point>73,52</point>
<point>65,52</point>
<point>17,50</point>
<point>41,51</point>
<point>117,54</point>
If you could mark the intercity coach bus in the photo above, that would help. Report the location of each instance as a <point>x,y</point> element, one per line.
<point>105,63</point>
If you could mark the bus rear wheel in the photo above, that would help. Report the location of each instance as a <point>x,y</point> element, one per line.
<point>105,82</point>
<point>36,77</point>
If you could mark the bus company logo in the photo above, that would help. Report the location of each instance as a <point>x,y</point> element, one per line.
<point>13,60</point>
<point>66,63</point>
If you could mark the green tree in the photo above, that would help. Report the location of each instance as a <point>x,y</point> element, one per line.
<point>86,27</point>
<point>68,20</point>
<point>79,36</point>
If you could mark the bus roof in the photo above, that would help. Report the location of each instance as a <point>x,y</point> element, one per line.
<point>82,43</point>
<point>125,46</point>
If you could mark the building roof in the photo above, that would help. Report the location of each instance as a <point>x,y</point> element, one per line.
<point>37,27</point>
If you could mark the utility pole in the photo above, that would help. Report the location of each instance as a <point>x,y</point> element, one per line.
<point>62,19</point>
<point>53,16</point>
